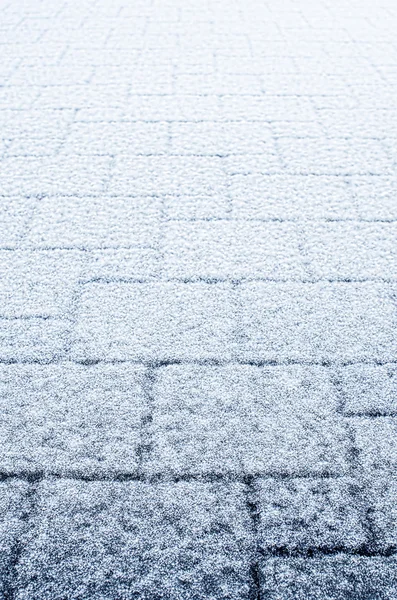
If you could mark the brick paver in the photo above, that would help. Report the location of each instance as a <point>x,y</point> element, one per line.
<point>198,277</point>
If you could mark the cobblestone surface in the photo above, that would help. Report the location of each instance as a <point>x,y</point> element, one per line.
<point>198,309</point>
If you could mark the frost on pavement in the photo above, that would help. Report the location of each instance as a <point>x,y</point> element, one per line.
<point>198,300</point>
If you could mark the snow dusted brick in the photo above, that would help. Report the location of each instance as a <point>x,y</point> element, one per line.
<point>351,250</point>
<point>232,249</point>
<point>376,197</point>
<point>302,514</point>
<point>291,197</point>
<point>383,511</point>
<point>38,284</point>
<point>370,389</point>
<point>246,419</point>
<point>90,222</point>
<point>54,175</point>
<point>221,138</point>
<point>33,339</point>
<point>70,418</point>
<point>196,207</point>
<point>115,263</point>
<point>334,156</point>
<point>14,216</point>
<point>124,540</point>
<point>118,138</point>
<point>154,321</point>
<point>157,175</point>
<point>376,444</point>
<point>13,509</point>
<point>317,321</point>
<point>339,577</point>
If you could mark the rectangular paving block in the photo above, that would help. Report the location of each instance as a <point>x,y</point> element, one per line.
<point>154,321</point>
<point>38,284</point>
<point>14,215</point>
<point>33,339</point>
<point>230,249</point>
<point>70,418</point>
<point>382,502</point>
<point>117,138</point>
<point>242,419</point>
<point>368,389</point>
<point>303,514</point>
<point>375,440</point>
<point>221,138</point>
<point>298,197</point>
<point>121,264</point>
<point>14,507</point>
<point>54,175</point>
<point>376,197</point>
<point>339,577</point>
<point>350,250</point>
<point>157,175</point>
<point>189,207</point>
<point>123,540</point>
<point>94,222</point>
<point>317,321</point>
<point>334,156</point>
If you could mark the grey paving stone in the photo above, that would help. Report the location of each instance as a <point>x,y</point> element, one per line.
<point>154,321</point>
<point>334,156</point>
<point>14,507</point>
<point>221,138</point>
<point>70,418</point>
<point>38,284</point>
<point>291,197</point>
<point>228,249</point>
<point>135,540</point>
<point>157,175</point>
<point>116,264</point>
<point>92,222</point>
<point>382,503</point>
<point>33,339</point>
<point>242,419</point>
<point>351,250</point>
<point>337,577</point>
<point>376,444</point>
<point>14,216</point>
<point>369,389</point>
<point>317,321</point>
<point>304,514</point>
<point>54,175</point>
<point>118,138</point>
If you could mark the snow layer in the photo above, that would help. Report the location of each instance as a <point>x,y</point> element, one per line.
<point>198,316</point>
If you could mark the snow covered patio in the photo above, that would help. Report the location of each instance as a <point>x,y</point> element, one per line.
<point>198,300</point>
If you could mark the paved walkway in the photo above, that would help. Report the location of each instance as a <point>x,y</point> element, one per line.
<point>198,288</point>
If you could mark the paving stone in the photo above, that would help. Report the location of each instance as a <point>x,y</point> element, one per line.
<point>93,222</point>
<point>246,419</point>
<point>33,339</point>
<point>14,216</point>
<point>316,321</point>
<point>382,502</point>
<point>233,249</point>
<point>14,507</point>
<point>302,514</point>
<point>351,250</point>
<point>154,321</point>
<point>70,418</point>
<point>122,540</point>
<point>376,445</point>
<point>337,577</point>
<point>369,389</point>
<point>291,197</point>
<point>38,284</point>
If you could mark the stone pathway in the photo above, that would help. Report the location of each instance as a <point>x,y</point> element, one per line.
<point>198,300</point>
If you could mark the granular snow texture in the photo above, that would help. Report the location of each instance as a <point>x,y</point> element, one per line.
<point>198,300</point>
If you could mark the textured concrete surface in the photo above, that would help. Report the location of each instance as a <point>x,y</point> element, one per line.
<point>198,300</point>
